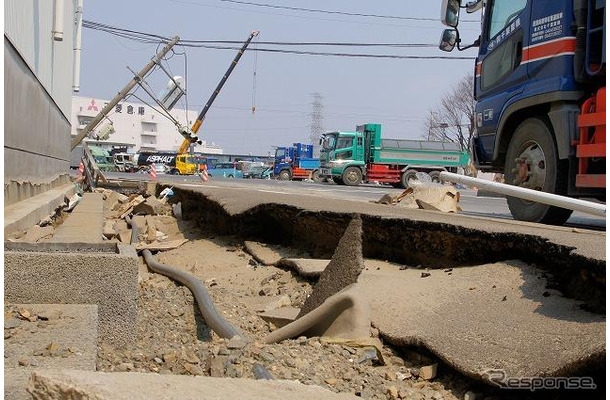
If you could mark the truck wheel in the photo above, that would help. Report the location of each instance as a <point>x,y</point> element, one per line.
<point>408,175</point>
<point>338,181</point>
<point>532,162</point>
<point>284,175</point>
<point>435,176</point>
<point>316,177</point>
<point>352,176</point>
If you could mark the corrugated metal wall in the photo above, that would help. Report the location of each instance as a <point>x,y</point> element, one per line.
<point>28,24</point>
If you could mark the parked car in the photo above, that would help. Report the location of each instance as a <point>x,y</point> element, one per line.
<point>259,172</point>
<point>227,170</point>
<point>159,169</point>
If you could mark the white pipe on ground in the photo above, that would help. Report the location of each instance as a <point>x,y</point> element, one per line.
<point>58,21</point>
<point>77,45</point>
<point>588,207</point>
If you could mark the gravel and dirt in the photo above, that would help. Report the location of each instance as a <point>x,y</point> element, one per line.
<point>174,339</point>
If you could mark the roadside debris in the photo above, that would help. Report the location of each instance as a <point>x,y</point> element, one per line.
<point>151,206</point>
<point>73,201</point>
<point>426,196</point>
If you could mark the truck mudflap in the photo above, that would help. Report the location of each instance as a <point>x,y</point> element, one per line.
<point>591,144</point>
<point>384,173</point>
<point>301,173</point>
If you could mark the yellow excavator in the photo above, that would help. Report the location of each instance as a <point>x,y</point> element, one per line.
<point>190,163</point>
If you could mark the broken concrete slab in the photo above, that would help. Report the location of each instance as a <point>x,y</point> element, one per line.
<point>150,206</point>
<point>106,275</point>
<point>343,269</point>
<point>125,236</point>
<point>281,316</point>
<point>68,341</point>
<point>108,230</point>
<point>127,207</point>
<point>37,233</point>
<point>160,246</point>
<point>151,229</point>
<point>306,267</point>
<point>262,252</point>
<point>344,315</point>
<point>312,268</point>
<point>56,385</point>
<point>431,196</point>
<point>498,316</point>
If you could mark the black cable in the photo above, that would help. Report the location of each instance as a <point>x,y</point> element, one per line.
<point>315,10</point>
<point>94,25</point>
<point>152,38</point>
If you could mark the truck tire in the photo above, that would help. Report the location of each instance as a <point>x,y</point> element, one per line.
<point>407,176</point>
<point>435,176</point>
<point>316,177</point>
<point>352,176</point>
<point>284,175</point>
<point>338,181</point>
<point>532,162</point>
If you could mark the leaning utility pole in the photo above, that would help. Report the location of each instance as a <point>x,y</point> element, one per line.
<point>134,81</point>
<point>317,116</point>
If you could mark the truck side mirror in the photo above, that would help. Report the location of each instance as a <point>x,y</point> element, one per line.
<point>448,40</point>
<point>450,12</point>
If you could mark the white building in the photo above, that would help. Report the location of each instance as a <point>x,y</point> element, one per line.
<point>137,126</point>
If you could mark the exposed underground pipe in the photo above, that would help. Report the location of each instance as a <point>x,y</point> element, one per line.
<point>211,316</point>
<point>134,229</point>
<point>214,320</point>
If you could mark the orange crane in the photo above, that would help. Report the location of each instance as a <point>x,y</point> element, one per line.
<point>190,136</point>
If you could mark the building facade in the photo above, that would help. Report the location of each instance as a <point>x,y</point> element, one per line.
<point>137,127</point>
<point>39,42</point>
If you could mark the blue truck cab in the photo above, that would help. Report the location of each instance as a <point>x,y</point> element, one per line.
<point>540,68</point>
<point>296,163</point>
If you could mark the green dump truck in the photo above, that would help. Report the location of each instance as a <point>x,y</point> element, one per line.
<point>350,158</point>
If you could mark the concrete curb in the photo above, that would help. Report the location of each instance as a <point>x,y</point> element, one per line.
<point>102,274</point>
<point>24,214</point>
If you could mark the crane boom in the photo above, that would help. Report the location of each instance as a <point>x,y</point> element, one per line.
<point>190,137</point>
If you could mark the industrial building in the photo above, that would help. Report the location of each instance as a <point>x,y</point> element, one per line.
<point>137,127</point>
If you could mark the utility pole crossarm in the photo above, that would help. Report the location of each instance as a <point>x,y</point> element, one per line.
<point>134,81</point>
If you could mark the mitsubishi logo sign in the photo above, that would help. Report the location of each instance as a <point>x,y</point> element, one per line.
<point>92,105</point>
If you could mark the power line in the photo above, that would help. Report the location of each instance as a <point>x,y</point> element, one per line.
<point>196,3</point>
<point>144,37</point>
<point>95,25</point>
<point>315,10</point>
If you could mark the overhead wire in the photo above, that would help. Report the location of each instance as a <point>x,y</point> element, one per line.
<point>292,15</point>
<point>147,36</point>
<point>144,37</point>
<point>316,10</point>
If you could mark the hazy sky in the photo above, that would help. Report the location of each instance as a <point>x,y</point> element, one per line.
<point>394,92</point>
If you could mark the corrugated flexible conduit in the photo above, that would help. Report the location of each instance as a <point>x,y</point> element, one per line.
<point>214,320</point>
<point>211,316</point>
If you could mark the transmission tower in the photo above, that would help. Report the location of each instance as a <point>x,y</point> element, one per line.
<point>316,128</point>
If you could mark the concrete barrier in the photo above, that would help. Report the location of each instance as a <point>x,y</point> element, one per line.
<point>105,274</point>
